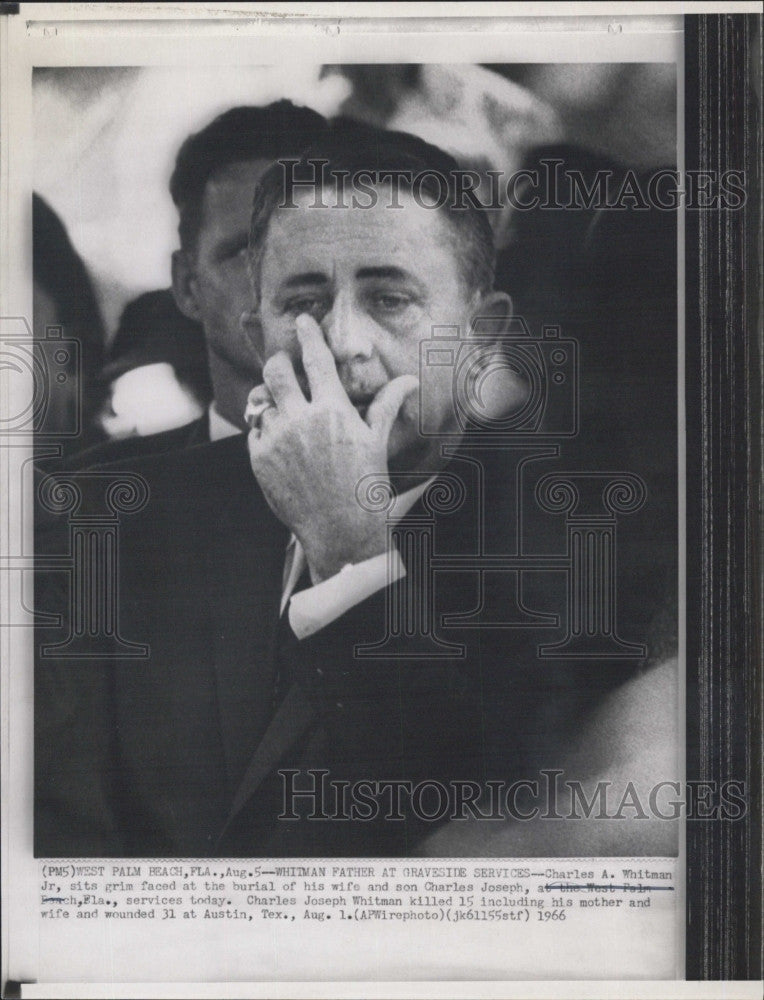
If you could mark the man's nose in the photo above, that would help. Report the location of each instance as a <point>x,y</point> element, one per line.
<point>348,330</point>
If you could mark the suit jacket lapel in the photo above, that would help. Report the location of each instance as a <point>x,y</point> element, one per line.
<point>249,540</point>
<point>245,558</point>
<point>292,720</point>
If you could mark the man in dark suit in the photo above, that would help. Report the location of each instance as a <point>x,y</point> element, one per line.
<point>195,325</point>
<point>285,612</point>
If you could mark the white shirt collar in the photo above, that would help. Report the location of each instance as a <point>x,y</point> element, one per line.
<point>295,562</point>
<point>220,427</point>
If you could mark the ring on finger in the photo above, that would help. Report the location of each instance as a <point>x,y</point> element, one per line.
<point>255,411</point>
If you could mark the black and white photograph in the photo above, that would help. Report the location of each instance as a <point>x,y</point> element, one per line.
<point>359,558</point>
<point>410,527</point>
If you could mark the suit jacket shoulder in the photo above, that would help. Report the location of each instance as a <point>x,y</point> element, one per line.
<point>133,448</point>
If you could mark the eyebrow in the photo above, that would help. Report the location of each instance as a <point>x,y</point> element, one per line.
<point>307,278</point>
<point>363,273</point>
<point>393,273</point>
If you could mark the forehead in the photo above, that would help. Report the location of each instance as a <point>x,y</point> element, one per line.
<point>229,191</point>
<point>342,237</point>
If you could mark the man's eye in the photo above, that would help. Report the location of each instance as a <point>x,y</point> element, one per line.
<point>312,304</point>
<point>390,301</point>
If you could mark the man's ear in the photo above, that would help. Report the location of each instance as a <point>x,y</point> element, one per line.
<point>184,286</point>
<point>499,387</point>
<point>493,313</point>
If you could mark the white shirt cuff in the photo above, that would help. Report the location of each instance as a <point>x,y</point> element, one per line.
<point>316,607</point>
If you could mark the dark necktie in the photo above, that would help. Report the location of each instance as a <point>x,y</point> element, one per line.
<point>289,726</point>
<point>287,645</point>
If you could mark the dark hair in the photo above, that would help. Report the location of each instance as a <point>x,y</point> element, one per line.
<point>351,147</point>
<point>240,134</point>
<point>58,269</point>
<point>59,272</point>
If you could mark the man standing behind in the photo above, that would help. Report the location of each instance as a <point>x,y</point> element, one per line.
<point>212,186</point>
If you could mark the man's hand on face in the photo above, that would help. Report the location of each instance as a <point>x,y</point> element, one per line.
<point>309,455</point>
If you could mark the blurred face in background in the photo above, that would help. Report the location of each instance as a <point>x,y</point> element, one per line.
<point>210,278</point>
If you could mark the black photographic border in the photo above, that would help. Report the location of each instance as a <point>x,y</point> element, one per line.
<point>723,399</point>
